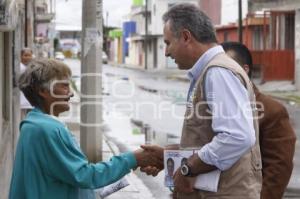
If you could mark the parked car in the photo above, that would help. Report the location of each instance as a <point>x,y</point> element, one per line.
<point>104,58</point>
<point>70,46</point>
<point>59,56</point>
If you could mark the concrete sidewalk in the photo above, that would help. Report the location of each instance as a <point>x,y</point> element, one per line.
<point>136,189</point>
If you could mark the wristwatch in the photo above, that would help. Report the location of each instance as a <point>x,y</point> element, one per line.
<point>185,170</point>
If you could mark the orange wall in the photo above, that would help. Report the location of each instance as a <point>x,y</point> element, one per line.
<point>232,35</point>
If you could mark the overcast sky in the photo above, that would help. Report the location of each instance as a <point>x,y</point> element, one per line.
<point>69,12</point>
<point>116,10</point>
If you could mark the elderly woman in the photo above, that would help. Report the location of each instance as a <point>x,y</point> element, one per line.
<point>48,163</point>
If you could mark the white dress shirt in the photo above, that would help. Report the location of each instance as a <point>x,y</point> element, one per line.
<point>232,119</point>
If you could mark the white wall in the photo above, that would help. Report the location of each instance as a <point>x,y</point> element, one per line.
<point>140,23</point>
<point>135,51</point>
<point>161,58</point>
<point>158,8</point>
<point>42,29</point>
<point>229,11</point>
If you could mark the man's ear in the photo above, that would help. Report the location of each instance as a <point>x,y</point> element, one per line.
<point>186,35</point>
<point>246,68</point>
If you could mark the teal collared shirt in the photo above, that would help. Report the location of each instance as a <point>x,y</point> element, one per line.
<point>48,164</point>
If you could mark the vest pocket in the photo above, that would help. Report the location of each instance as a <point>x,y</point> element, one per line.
<point>256,158</point>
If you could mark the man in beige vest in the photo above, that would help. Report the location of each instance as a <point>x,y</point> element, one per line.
<point>220,120</point>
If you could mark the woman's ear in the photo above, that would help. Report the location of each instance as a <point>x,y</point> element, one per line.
<point>44,93</point>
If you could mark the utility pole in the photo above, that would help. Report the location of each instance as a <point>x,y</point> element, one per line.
<point>34,20</point>
<point>26,24</point>
<point>146,34</point>
<point>29,23</point>
<point>107,19</point>
<point>240,22</point>
<point>91,80</point>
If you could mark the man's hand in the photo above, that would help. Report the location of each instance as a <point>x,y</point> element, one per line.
<point>198,166</point>
<point>182,183</point>
<point>149,170</point>
<point>146,158</point>
<point>157,152</point>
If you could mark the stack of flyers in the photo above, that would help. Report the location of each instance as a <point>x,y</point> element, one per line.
<point>109,189</point>
<point>174,159</point>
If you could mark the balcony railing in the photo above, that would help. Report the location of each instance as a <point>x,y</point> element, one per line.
<point>46,17</point>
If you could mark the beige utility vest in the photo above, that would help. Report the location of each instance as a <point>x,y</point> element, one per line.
<point>243,180</point>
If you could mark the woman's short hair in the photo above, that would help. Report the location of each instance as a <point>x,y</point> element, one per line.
<point>39,74</point>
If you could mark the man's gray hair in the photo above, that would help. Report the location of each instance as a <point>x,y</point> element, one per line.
<point>39,75</point>
<point>188,16</point>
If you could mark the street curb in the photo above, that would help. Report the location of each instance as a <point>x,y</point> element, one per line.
<point>286,99</point>
<point>292,191</point>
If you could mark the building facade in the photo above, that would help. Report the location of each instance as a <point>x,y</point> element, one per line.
<point>289,30</point>
<point>146,46</point>
<point>269,31</point>
<point>218,10</point>
<point>16,32</point>
<point>10,46</point>
<point>44,29</point>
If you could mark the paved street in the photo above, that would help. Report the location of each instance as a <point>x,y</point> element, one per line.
<point>131,94</point>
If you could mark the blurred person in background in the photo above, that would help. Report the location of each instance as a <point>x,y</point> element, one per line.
<point>26,57</point>
<point>276,135</point>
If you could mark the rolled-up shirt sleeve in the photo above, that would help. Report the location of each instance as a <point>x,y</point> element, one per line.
<point>232,119</point>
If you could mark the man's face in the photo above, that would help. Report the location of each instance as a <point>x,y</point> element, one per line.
<point>26,57</point>
<point>57,99</point>
<point>170,168</point>
<point>175,47</point>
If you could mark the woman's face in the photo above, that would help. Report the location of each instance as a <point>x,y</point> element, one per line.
<point>56,100</point>
<point>26,57</point>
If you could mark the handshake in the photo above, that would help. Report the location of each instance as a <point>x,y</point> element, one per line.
<point>150,159</point>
